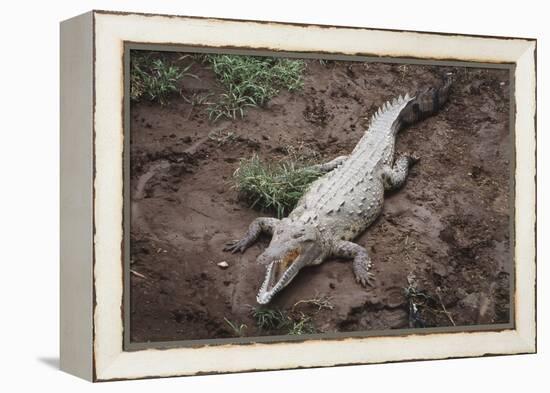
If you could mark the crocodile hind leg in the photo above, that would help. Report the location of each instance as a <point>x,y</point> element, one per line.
<point>259,225</point>
<point>394,177</point>
<point>361,260</point>
<point>329,166</point>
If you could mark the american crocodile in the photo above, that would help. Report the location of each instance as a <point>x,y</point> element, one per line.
<point>343,202</point>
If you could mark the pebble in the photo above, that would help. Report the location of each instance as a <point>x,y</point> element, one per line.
<point>223,264</point>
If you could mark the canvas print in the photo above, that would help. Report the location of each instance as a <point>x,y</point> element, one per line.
<point>296,197</point>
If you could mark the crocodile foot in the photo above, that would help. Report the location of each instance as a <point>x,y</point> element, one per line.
<point>365,279</point>
<point>363,275</point>
<point>235,246</point>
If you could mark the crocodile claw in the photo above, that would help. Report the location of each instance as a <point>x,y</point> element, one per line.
<point>365,280</point>
<point>235,246</point>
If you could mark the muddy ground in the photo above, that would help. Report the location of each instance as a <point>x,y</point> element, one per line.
<point>446,232</point>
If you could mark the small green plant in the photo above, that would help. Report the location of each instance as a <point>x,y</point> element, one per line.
<point>197,99</point>
<point>154,78</point>
<point>293,324</point>
<point>238,330</point>
<point>250,81</point>
<point>273,187</point>
<point>270,319</point>
<point>301,325</point>
<point>420,303</point>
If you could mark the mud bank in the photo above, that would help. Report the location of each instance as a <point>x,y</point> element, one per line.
<point>447,231</point>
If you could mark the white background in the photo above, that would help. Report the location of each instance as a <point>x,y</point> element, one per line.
<point>29,194</point>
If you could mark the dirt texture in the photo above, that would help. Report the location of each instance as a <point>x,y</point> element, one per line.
<point>445,235</point>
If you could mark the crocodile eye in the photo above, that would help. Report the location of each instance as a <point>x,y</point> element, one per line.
<point>297,235</point>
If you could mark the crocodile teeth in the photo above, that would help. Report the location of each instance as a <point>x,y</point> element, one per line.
<point>267,277</point>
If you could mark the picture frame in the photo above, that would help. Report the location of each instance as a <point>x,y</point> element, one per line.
<point>94,338</point>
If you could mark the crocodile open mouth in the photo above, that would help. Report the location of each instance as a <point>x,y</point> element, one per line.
<point>278,274</point>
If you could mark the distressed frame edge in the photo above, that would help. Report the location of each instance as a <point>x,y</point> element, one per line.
<point>76,196</point>
<point>525,194</point>
<point>524,338</point>
<point>303,24</point>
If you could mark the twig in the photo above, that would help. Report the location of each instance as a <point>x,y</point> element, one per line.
<point>320,302</point>
<point>438,292</point>
<point>138,274</point>
<point>197,211</point>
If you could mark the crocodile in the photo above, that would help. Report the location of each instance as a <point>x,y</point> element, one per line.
<point>344,201</point>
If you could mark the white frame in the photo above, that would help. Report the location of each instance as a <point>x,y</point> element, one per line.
<point>92,68</point>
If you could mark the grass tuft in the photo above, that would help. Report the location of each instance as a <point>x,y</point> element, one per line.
<point>272,319</point>
<point>155,78</point>
<point>275,187</point>
<point>250,81</point>
<point>301,325</point>
<point>238,330</point>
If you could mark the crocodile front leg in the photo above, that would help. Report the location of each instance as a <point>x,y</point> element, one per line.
<point>394,177</point>
<point>259,225</point>
<point>329,166</point>
<point>361,260</point>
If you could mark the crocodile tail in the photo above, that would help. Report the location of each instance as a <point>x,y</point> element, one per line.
<point>424,104</point>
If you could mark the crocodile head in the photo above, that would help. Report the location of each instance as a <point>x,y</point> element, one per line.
<point>292,247</point>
